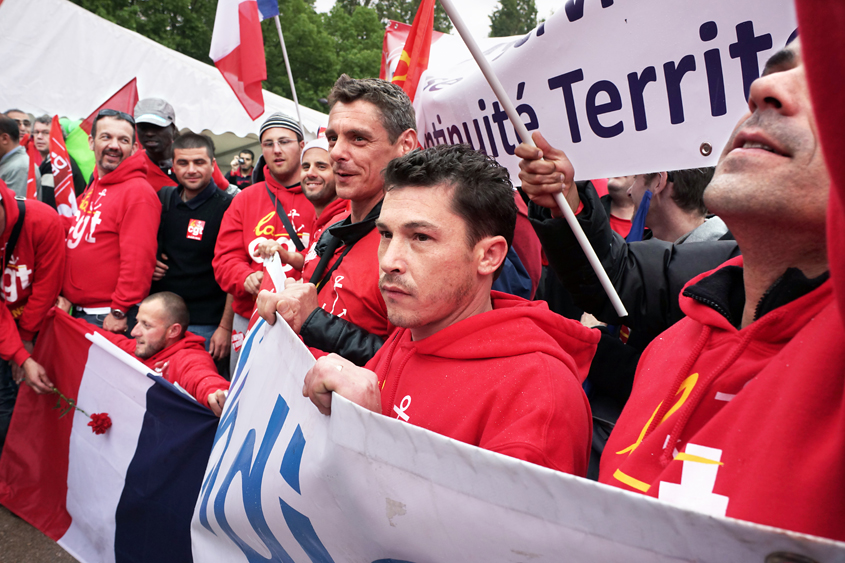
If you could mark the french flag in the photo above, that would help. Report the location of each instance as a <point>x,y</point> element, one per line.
<point>124,496</point>
<point>237,48</point>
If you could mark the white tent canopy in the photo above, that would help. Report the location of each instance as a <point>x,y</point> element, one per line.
<point>61,59</point>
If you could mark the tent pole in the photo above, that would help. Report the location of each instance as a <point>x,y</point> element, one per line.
<point>287,66</point>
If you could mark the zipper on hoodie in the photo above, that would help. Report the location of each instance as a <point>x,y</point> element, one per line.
<point>710,303</point>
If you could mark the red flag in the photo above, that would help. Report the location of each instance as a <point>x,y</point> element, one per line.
<point>414,59</point>
<point>123,100</point>
<point>62,174</point>
<point>34,162</point>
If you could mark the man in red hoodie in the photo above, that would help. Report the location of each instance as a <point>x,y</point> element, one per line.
<point>482,367</point>
<point>275,209</point>
<point>32,279</point>
<point>161,342</point>
<point>737,409</point>
<point>111,245</point>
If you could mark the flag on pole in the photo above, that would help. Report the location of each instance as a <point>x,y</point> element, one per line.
<point>414,58</point>
<point>123,100</point>
<point>62,174</point>
<point>34,162</point>
<point>237,49</point>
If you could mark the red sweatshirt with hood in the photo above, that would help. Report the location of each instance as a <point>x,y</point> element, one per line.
<point>111,247</point>
<point>250,220</point>
<point>745,423</point>
<point>184,362</point>
<point>508,380</point>
<point>33,278</point>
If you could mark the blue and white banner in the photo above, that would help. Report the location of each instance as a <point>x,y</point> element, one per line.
<point>285,483</point>
<point>621,87</point>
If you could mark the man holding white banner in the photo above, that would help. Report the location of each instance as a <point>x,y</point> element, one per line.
<point>727,403</point>
<point>482,367</point>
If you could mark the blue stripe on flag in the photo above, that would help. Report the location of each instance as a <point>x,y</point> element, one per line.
<point>268,8</point>
<point>163,480</point>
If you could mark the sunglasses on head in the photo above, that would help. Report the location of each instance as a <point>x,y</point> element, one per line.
<point>114,113</point>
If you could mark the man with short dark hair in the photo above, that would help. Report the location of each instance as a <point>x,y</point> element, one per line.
<point>190,222</point>
<point>14,162</point>
<point>371,122</point>
<point>241,173</point>
<point>111,246</point>
<point>41,129</point>
<point>162,342</point>
<point>489,369</point>
<point>275,209</point>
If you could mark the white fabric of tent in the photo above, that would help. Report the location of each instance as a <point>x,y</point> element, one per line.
<point>61,59</point>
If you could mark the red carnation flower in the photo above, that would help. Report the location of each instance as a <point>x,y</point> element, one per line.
<point>100,422</point>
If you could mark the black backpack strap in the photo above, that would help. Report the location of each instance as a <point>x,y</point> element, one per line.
<point>16,232</point>
<point>165,195</point>
<point>280,211</point>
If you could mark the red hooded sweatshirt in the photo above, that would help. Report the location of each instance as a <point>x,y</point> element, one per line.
<point>33,280</point>
<point>508,380</point>
<point>111,249</point>
<point>743,423</point>
<point>250,220</point>
<point>185,362</point>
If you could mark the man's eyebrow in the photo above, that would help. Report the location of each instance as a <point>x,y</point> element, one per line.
<point>783,58</point>
<point>419,225</point>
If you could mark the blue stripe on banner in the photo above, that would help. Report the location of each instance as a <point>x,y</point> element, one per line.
<point>268,8</point>
<point>163,480</point>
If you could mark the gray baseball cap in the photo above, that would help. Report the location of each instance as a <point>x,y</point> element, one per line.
<point>155,111</point>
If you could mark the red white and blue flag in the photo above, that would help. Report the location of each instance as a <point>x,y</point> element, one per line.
<point>237,48</point>
<point>126,495</point>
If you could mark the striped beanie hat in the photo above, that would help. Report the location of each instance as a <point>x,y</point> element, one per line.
<point>280,119</point>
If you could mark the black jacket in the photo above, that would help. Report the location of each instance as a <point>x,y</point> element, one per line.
<point>648,275</point>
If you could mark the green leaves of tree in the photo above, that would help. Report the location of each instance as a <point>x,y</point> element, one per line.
<point>513,17</point>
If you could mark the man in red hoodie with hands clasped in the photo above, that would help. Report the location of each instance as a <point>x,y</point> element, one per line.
<point>482,367</point>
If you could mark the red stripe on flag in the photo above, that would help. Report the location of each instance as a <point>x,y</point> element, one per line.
<point>34,464</point>
<point>244,68</point>
<point>34,162</point>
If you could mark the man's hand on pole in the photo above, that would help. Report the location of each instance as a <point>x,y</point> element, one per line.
<point>545,171</point>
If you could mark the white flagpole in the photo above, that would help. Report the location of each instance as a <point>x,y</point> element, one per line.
<point>519,126</point>
<point>287,66</point>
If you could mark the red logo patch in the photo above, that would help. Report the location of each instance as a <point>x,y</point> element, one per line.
<point>195,228</point>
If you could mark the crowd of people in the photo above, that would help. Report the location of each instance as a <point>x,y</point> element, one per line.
<point>431,290</point>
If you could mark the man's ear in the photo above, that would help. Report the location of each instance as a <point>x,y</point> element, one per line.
<point>174,331</point>
<point>407,141</point>
<point>91,143</point>
<point>662,183</point>
<point>491,252</point>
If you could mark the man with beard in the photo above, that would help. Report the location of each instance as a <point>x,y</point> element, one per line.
<point>111,245</point>
<point>161,341</point>
<point>486,368</point>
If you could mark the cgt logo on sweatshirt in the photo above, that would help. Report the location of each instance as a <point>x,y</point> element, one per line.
<point>16,278</point>
<point>195,229</point>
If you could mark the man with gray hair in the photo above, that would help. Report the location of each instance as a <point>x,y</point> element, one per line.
<point>275,209</point>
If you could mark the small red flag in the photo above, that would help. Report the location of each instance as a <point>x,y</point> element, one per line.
<point>62,174</point>
<point>34,162</point>
<point>123,100</point>
<point>414,59</point>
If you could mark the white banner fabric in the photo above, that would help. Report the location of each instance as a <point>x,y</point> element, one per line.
<point>285,483</point>
<point>622,87</point>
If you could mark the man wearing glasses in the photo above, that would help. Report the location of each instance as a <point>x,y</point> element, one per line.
<point>111,245</point>
<point>276,210</point>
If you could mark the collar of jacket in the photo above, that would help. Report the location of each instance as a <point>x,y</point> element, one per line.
<point>349,233</point>
<point>724,291</point>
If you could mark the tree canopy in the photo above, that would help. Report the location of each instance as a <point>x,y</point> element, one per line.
<point>513,17</point>
<point>320,46</point>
